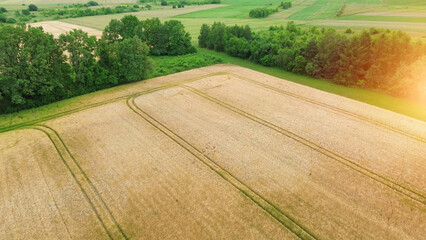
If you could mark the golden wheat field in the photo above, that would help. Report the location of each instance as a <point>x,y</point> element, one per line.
<point>220,152</point>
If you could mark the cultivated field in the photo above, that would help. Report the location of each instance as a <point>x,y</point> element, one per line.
<point>57,28</point>
<point>219,152</point>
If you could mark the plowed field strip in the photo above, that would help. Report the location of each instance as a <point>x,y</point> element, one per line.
<point>343,160</point>
<point>335,109</point>
<point>61,114</point>
<point>275,212</point>
<point>93,197</point>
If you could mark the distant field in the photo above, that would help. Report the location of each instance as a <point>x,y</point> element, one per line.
<point>218,152</point>
<point>99,22</point>
<point>310,11</point>
<point>385,18</point>
<point>327,9</point>
<point>43,2</point>
<point>237,9</point>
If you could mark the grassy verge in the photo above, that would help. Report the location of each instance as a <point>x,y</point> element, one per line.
<point>167,65</point>
<point>406,107</point>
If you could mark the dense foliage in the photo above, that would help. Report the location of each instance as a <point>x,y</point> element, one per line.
<point>285,5</point>
<point>261,12</point>
<point>36,69</point>
<point>167,65</point>
<point>32,8</point>
<point>83,12</point>
<point>375,59</point>
<point>168,38</point>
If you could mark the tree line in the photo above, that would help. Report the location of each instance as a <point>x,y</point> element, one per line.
<point>84,12</point>
<point>261,12</point>
<point>285,5</point>
<point>374,59</point>
<point>37,69</point>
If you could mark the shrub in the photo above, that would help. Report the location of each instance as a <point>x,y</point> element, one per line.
<point>3,10</point>
<point>10,20</point>
<point>163,3</point>
<point>260,12</point>
<point>92,4</point>
<point>26,12</point>
<point>2,18</point>
<point>32,8</point>
<point>285,5</point>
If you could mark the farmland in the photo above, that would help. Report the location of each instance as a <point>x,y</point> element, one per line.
<point>205,158</point>
<point>282,132</point>
<point>306,13</point>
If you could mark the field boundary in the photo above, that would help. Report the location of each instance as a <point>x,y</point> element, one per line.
<point>266,205</point>
<point>330,107</point>
<point>91,194</point>
<point>333,155</point>
<point>68,112</point>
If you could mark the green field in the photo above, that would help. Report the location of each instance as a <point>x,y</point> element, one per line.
<point>385,18</point>
<point>236,9</point>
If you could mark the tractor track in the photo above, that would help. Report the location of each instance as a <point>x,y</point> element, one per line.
<point>418,197</point>
<point>65,113</point>
<point>285,220</point>
<point>91,194</point>
<point>332,108</point>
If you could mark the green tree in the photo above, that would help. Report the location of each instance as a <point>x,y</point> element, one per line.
<point>238,47</point>
<point>300,64</point>
<point>109,61</point>
<point>129,25</point>
<point>113,30</point>
<point>134,61</point>
<point>25,12</point>
<point>156,36</point>
<point>217,37</point>
<point>179,40</point>
<point>10,20</point>
<point>355,60</point>
<point>285,59</point>
<point>80,48</point>
<point>330,48</point>
<point>32,8</point>
<point>203,38</point>
<point>32,67</point>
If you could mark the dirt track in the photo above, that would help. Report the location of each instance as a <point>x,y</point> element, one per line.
<point>218,152</point>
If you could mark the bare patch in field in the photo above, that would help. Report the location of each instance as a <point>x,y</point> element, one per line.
<point>57,28</point>
<point>218,152</point>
